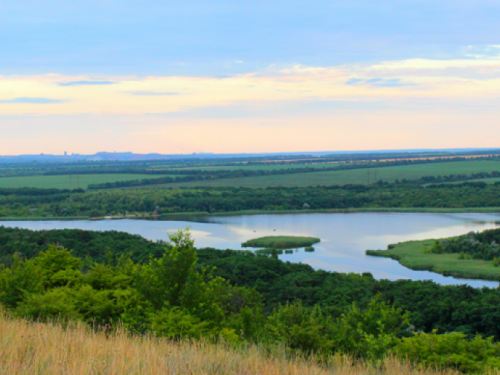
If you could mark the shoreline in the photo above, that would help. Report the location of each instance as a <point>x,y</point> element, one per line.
<point>264,212</point>
<point>409,254</point>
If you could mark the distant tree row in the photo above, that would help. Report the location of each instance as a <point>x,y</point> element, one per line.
<point>76,203</point>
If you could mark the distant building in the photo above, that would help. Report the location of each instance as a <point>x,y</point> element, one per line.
<point>65,153</point>
<point>33,211</point>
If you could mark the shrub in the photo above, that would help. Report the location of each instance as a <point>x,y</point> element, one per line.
<point>450,350</point>
<point>301,330</point>
<point>372,332</point>
<point>175,323</point>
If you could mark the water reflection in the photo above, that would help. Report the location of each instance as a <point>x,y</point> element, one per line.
<point>344,237</point>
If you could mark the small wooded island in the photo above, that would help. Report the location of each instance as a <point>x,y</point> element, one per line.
<point>281,242</point>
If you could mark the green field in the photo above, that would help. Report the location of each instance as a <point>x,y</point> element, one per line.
<point>67,181</point>
<point>281,242</point>
<point>411,254</point>
<point>260,167</point>
<point>354,176</point>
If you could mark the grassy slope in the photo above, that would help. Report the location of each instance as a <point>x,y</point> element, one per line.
<point>34,348</point>
<point>411,254</point>
<point>68,181</point>
<point>356,176</point>
<point>281,242</point>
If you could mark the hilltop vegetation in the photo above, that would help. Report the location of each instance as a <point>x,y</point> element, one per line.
<point>279,282</point>
<point>261,300</point>
<point>53,349</point>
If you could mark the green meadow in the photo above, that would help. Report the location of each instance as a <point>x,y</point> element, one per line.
<point>67,181</point>
<point>259,167</point>
<point>354,176</point>
<point>411,254</point>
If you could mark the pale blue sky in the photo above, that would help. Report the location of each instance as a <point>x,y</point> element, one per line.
<point>226,36</point>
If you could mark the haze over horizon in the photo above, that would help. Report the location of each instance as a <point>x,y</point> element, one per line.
<point>256,77</point>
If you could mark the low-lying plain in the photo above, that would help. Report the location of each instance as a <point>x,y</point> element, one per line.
<point>67,181</point>
<point>411,254</point>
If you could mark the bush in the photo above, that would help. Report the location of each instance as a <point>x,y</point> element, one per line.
<point>450,350</point>
<point>176,324</point>
<point>301,330</point>
<point>372,332</point>
<point>437,248</point>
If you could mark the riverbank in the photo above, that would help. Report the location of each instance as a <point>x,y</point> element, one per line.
<point>47,218</point>
<point>411,255</point>
<point>187,215</point>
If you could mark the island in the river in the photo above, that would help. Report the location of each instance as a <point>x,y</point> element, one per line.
<point>281,242</point>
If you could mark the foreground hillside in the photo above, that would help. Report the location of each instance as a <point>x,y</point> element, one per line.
<point>34,348</point>
<point>288,310</point>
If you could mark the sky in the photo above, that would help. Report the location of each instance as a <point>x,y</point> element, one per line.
<point>257,76</point>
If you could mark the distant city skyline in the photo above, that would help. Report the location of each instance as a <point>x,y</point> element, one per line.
<point>265,76</point>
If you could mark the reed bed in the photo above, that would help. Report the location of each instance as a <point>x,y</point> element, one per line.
<point>36,348</point>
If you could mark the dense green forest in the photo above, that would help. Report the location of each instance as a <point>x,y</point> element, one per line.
<point>238,295</point>
<point>77,203</point>
<point>433,306</point>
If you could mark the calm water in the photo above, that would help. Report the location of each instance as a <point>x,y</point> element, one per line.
<point>344,237</point>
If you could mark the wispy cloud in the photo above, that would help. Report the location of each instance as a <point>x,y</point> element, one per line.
<point>379,82</point>
<point>32,100</point>
<point>153,93</point>
<point>79,83</point>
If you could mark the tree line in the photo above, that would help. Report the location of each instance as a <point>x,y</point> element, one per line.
<point>76,203</point>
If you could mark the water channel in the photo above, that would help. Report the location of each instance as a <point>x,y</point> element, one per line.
<point>344,236</point>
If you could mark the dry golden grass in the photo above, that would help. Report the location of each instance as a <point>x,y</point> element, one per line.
<point>33,348</point>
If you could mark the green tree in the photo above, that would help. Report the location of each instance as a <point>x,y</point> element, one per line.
<point>451,350</point>
<point>20,280</point>
<point>371,332</point>
<point>165,281</point>
<point>300,329</point>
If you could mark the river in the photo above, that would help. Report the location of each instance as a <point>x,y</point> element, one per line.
<point>344,236</point>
